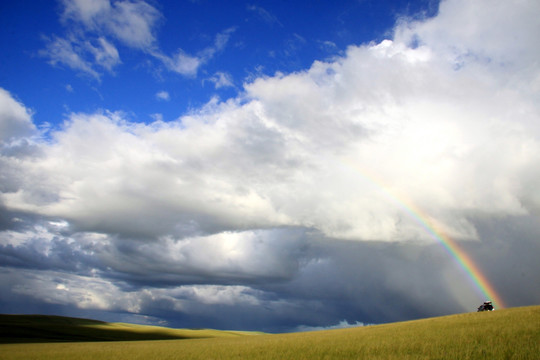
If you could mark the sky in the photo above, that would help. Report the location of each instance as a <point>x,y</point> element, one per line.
<point>268,165</point>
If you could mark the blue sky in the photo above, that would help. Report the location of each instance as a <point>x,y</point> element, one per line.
<point>257,39</point>
<point>250,165</point>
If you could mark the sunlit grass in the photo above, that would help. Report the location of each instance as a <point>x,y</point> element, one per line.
<point>503,334</point>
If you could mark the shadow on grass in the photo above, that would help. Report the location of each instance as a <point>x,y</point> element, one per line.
<point>44,328</point>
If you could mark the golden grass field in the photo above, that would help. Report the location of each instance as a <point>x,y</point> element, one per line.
<point>503,334</point>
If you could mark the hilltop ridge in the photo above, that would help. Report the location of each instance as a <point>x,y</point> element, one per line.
<point>52,328</point>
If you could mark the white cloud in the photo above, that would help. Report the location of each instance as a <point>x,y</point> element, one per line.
<point>500,34</point>
<point>93,28</point>
<point>15,118</point>
<point>105,54</point>
<point>69,53</point>
<point>188,65</point>
<point>327,45</point>
<point>333,148</point>
<point>90,28</point>
<point>85,11</point>
<point>181,63</point>
<point>82,55</point>
<point>264,14</point>
<point>221,79</point>
<point>131,22</point>
<point>163,95</point>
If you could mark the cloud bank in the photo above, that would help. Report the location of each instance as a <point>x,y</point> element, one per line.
<point>283,207</point>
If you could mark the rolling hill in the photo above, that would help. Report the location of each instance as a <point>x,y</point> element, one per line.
<point>503,334</point>
<point>47,328</point>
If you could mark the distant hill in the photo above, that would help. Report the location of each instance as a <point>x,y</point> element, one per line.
<point>47,328</point>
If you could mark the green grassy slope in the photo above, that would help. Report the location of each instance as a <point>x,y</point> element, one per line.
<point>502,334</point>
<point>43,328</point>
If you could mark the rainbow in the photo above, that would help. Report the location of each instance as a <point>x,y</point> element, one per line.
<point>475,275</point>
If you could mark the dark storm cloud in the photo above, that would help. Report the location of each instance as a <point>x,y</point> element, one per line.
<point>230,258</point>
<point>332,282</point>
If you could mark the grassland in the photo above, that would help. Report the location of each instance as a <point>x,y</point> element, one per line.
<point>503,334</point>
